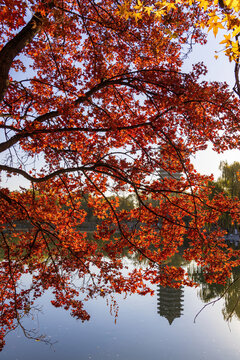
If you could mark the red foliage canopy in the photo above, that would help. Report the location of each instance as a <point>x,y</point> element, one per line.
<point>94,105</point>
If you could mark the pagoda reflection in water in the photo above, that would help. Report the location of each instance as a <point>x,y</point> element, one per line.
<point>170,302</point>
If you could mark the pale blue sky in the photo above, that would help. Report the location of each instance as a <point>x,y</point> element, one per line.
<point>207,162</point>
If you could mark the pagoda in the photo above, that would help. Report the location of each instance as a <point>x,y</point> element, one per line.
<point>170,302</point>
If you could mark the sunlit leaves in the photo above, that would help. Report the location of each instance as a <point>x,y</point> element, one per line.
<point>226,19</point>
<point>214,24</point>
<point>232,4</point>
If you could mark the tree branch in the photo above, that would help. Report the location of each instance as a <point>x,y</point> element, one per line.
<point>14,47</point>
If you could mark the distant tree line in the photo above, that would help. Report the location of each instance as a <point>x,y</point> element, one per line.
<point>227,184</point>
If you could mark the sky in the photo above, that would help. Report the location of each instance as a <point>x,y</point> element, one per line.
<point>207,162</point>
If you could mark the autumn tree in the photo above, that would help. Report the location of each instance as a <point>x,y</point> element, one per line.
<point>94,102</point>
<point>229,185</point>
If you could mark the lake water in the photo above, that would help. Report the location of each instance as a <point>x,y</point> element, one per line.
<point>147,327</point>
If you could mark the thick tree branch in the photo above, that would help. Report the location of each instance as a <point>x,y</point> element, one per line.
<point>14,47</point>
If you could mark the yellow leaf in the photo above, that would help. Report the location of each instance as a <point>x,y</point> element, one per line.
<point>215,25</point>
<point>235,47</point>
<point>170,6</point>
<point>227,40</point>
<point>148,9</point>
<point>215,30</point>
<point>159,13</point>
<point>236,31</point>
<point>204,4</point>
<point>139,5</point>
<point>233,4</point>
<point>137,16</point>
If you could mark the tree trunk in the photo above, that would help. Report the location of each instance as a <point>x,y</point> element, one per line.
<point>14,48</point>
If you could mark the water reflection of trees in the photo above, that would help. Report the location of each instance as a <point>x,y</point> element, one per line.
<point>38,265</point>
<point>73,279</point>
<point>230,293</point>
<point>170,300</point>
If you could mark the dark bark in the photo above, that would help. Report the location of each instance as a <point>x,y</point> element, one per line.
<point>221,4</point>
<point>14,47</point>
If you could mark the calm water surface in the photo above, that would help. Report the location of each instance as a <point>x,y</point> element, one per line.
<point>148,327</point>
